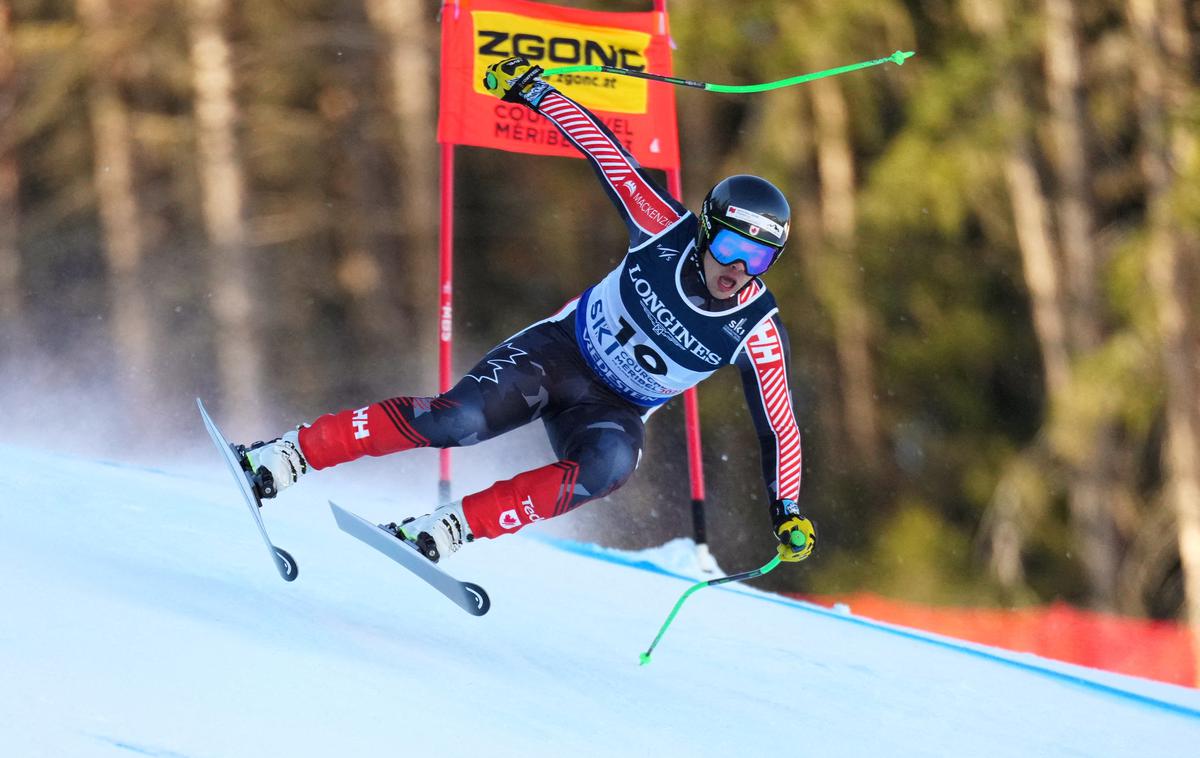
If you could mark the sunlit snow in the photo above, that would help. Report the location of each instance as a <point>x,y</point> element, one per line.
<point>140,615</point>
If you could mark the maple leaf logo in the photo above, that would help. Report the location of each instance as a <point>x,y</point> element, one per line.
<point>505,355</point>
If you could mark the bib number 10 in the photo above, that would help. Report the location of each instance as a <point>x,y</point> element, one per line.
<point>646,356</point>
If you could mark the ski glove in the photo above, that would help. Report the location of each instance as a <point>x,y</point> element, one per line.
<point>511,78</point>
<point>785,515</point>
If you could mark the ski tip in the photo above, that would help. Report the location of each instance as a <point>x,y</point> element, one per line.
<point>288,568</point>
<point>480,602</point>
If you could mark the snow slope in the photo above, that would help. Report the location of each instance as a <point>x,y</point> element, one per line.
<point>140,615</point>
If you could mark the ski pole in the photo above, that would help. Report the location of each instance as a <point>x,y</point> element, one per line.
<point>798,539</point>
<point>897,57</point>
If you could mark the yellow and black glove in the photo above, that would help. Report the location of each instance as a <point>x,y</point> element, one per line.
<point>510,78</point>
<point>797,535</point>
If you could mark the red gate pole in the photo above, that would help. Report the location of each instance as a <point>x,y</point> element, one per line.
<point>691,402</point>
<point>446,301</point>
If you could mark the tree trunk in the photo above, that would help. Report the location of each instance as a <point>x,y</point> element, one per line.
<point>11,298</point>
<point>362,214</point>
<point>132,326</point>
<point>12,311</point>
<point>1161,56</point>
<point>1031,210</point>
<point>238,341</point>
<point>406,26</point>
<point>843,284</point>
<point>1040,261</point>
<point>1064,87</point>
<point>1093,485</point>
<point>1060,271</point>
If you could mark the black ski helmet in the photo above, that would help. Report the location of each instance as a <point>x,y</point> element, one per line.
<point>750,206</point>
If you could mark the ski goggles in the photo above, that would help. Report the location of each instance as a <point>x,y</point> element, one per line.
<point>728,247</point>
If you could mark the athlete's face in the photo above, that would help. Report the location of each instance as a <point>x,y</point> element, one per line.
<point>722,280</point>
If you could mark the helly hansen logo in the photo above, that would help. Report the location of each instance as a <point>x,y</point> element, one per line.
<point>766,352</point>
<point>360,424</point>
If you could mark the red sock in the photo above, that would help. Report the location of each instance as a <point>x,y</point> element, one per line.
<point>378,429</point>
<point>509,505</point>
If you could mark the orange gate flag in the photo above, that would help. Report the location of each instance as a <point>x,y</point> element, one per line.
<point>478,33</point>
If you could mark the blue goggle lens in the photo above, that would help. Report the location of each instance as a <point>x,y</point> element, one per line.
<point>727,246</point>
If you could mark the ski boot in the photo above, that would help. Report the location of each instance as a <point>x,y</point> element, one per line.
<point>273,466</point>
<point>435,534</point>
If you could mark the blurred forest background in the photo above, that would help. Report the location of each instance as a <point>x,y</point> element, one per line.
<point>993,292</point>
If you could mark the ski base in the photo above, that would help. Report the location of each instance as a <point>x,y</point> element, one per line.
<point>284,562</point>
<point>466,595</point>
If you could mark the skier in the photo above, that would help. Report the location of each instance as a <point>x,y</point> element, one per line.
<point>685,300</point>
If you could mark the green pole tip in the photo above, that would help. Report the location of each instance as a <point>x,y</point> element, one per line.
<point>798,538</point>
<point>899,57</point>
<point>644,658</point>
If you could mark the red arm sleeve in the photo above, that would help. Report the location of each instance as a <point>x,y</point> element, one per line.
<point>646,208</point>
<point>764,368</point>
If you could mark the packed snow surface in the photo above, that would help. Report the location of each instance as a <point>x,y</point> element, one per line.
<point>140,615</point>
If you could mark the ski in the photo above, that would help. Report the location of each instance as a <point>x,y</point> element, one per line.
<point>470,597</point>
<point>284,561</point>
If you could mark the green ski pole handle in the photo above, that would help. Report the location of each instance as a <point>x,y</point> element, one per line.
<point>798,539</point>
<point>897,57</point>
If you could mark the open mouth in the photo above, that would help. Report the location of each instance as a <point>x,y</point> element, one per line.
<point>726,283</point>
